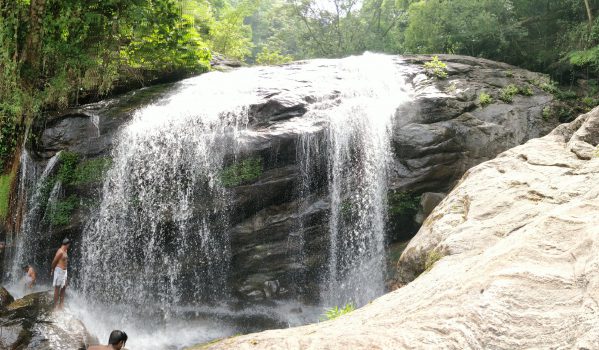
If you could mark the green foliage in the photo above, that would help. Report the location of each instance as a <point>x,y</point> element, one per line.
<point>565,95</point>
<point>461,27</point>
<point>73,171</point>
<point>526,91</point>
<point>550,87</point>
<point>403,203</point>
<point>68,163</point>
<point>9,132</point>
<point>436,68</point>
<point>507,93</point>
<point>245,171</point>
<point>272,57</point>
<point>431,258</point>
<point>52,53</point>
<point>589,102</point>
<point>484,99</point>
<point>91,171</point>
<point>60,213</point>
<point>583,58</point>
<point>5,182</point>
<point>171,43</point>
<point>547,113</point>
<point>540,35</point>
<point>334,312</point>
<point>229,35</point>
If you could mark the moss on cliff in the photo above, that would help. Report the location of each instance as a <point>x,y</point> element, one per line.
<point>242,172</point>
<point>5,181</point>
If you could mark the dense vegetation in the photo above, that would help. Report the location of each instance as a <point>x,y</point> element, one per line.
<point>57,53</point>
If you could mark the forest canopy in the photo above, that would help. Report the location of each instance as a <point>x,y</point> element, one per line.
<point>59,53</point>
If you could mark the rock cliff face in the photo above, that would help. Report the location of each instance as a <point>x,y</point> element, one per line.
<point>508,260</point>
<point>438,136</point>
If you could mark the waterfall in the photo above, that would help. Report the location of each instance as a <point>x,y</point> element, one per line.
<point>359,154</point>
<point>161,226</point>
<point>28,241</point>
<point>157,249</point>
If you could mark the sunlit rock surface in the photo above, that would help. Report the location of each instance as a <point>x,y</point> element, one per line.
<point>514,251</point>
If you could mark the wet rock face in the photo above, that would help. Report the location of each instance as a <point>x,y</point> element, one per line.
<point>438,136</point>
<point>30,323</point>
<point>508,260</point>
<point>5,298</point>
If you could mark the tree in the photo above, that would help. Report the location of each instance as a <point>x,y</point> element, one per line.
<point>229,35</point>
<point>589,13</point>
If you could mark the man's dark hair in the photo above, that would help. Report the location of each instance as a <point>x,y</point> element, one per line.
<point>116,337</point>
<point>25,267</point>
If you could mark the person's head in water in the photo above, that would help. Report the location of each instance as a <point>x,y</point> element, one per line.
<point>26,268</point>
<point>66,243</point>
<point>117,339</point>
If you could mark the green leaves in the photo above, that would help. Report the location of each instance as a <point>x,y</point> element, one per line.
<point>507,93</point>
<point>5,182</point>
<point>60,213</point>
<point>272,57</point>
<point>229,35</point>
<point>436,68</point>
<point>403,203</point>
<point>245,171</point>
<point>484,99</point>
<point>333,313</point>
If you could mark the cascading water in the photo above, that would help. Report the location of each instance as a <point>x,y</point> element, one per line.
<point>359,153</point>
<point>155,258</point>
<point>29,240</point>
<point>161,223</point>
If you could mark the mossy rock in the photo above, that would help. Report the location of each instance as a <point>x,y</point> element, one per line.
<point>244,172</point>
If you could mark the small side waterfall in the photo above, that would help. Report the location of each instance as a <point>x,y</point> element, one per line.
<point>34,190</point>
<point>359,153</point>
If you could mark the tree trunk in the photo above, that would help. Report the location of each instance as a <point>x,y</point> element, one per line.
<point>589,13</point>
<point>31,51</point>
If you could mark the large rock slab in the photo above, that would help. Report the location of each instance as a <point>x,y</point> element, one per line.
<point>511,262</point>
<point>30,323</point>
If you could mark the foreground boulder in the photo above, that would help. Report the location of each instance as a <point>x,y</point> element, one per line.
<point>509,260</point>
<point>30,323</point>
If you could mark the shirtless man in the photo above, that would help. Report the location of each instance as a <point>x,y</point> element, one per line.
<point>30,276</point>
<point>116,341</point>
<point>59,270</point>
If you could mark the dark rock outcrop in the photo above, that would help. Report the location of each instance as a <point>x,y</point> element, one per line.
<point>428,202</point>
<point>439,135</point>
<point>5,298</point>
<point>30,323</point>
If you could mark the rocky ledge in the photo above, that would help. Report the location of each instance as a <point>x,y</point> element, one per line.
<point>30,323</point>
<point>509,260</point>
